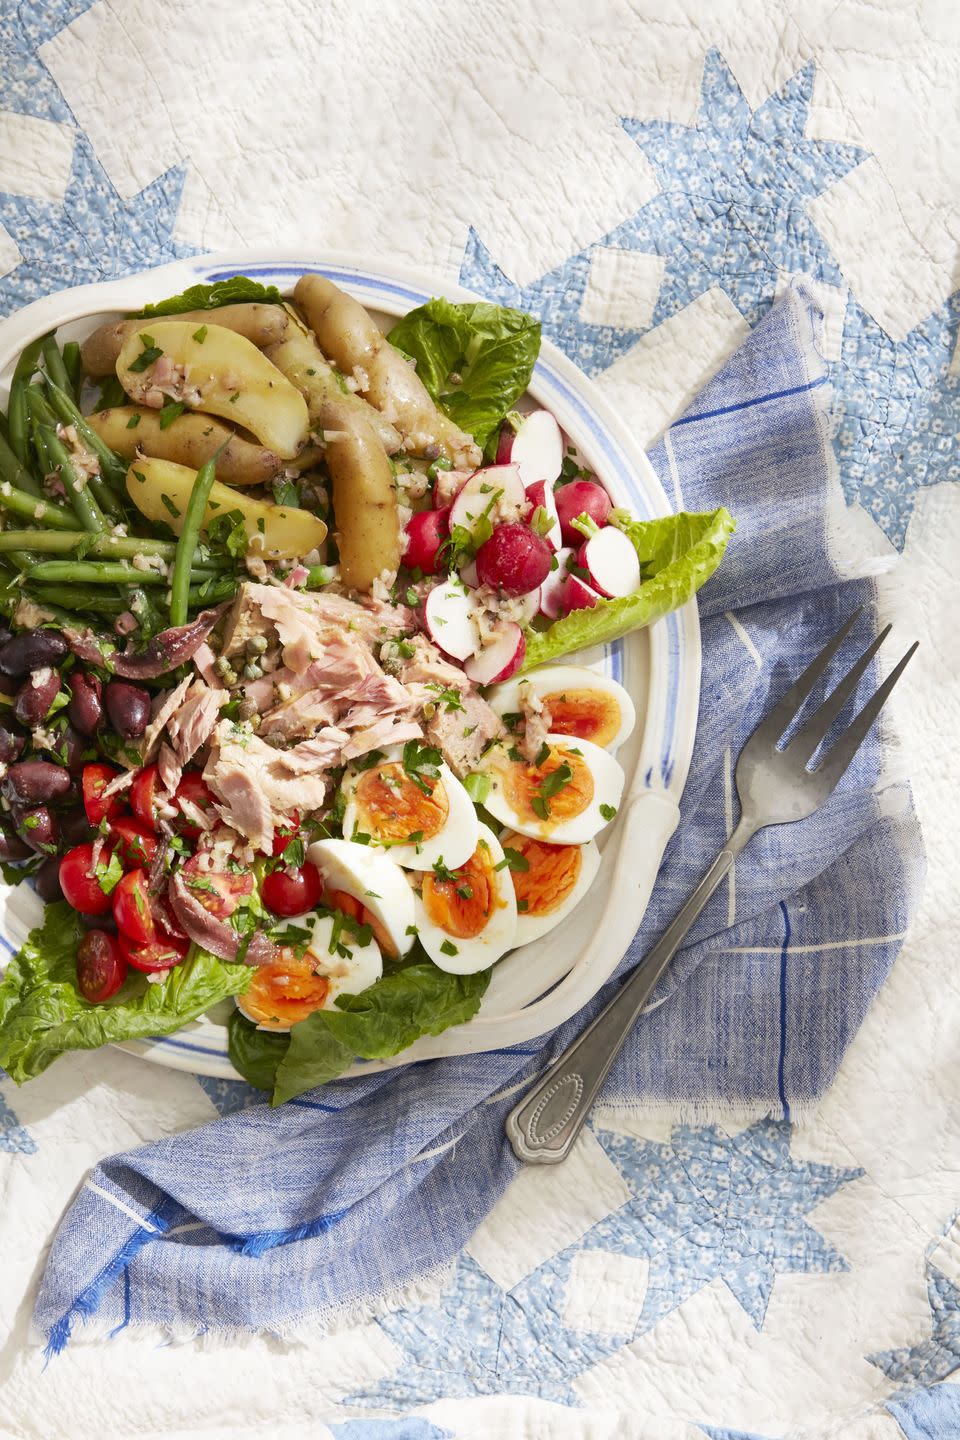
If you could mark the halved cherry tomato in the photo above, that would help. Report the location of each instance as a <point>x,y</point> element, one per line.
<point>283,834</point>
<point>143,795</point>
<point>161,953</point>
<point>79,884</point>
<point>100,968</point>
<point>94,781</point>
<point>194,789</point>
<point>131,908</point>
<point>291,892</point>
<point>218,891</point>
<point>137,843</point>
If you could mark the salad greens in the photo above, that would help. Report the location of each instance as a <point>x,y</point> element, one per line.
<point>417,1000</point>
<point>238,290</point>
<point>475,359</point>
<point>43,1014</point>
<point>677,553</point>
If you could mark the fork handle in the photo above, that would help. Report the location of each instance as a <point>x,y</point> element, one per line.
<point>543,1127</point>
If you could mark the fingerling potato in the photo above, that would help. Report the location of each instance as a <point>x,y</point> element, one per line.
<point>261,324</point>
<point>191,440</point>
<point>300,359</point>
<point>364,497</point>
<point>219,373</point>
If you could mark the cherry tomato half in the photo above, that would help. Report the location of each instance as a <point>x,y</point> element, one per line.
<point>291,892</point>
<point>79,884</point>
<point>218,891</point>
<point>283,834</point>
<point>136,841</point>
<point>194,789</point>
<point>161,953</point>
<point>131,908</point>
<point>94,781</point>
<point>101,970</point>
<point>143,795</point>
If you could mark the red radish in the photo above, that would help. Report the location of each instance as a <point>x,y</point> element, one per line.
<point>530,606</point>
<point>578,595</point>
<point>581,497</point>
<point>485,491</point>
<point>611,562</point>
<point>540,493</point>
<point>501,658</point>
<point>448,615</point>
<point>551,591</point>
<point>537,447</point>
<point>425,532</point>
<point>469,574</point>
<point>514,559</point>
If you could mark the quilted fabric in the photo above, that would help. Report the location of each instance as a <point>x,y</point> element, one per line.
<point>648,181</point>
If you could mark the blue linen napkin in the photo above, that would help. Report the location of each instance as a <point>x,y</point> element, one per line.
<point>278,1220</point>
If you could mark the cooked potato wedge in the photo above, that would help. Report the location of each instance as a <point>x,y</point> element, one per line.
<point>345,331</point>
<point>222,373</point>
<point>299,358</point>
<point>262,324</point>
<point>161,489</point>
<point>364,497</point>
<point>190,440</point>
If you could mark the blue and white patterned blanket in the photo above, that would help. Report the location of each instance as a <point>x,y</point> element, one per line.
<point>677,1278</point>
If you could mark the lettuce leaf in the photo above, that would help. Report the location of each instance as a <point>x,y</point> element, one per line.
<point>238,290</point>
<point>678,554</point>
<point>43,1014</point>
<point>491,349</point>
<point>418,1000</point>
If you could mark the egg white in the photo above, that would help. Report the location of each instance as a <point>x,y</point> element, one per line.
<point>454,843</point>
<point>348,974</point>
<point>373,879</point>
<point>608,780</point>
<point>531,927</point>
<point>497,936</point>
<point>559,679</point>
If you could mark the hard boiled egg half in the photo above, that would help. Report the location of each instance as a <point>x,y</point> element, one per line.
<point>340,959</point>
<point>565,796</point>
<point>467,918</point>
<point>592,707</point>
<point>391,806</point>
<point>366,884</point>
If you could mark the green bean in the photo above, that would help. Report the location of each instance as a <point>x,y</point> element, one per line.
<point>80,597</point>
<point>61,542</point>
<point>73,366</point>
<point>17,408</point>
<point>187,544</point>
<point>53,362</point>
<point>18,502</point>
<point>212,593</point>
<point>95,572</point>
<point>112,468</point>
<point>79,494</point>
<point>15,472</point>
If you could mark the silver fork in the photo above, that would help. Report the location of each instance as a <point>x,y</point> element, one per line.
<point>775,788</point>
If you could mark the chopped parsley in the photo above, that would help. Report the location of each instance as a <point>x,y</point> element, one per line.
<point>513,860</point>
<point>367,762</point>
<point>448,948</point>
<point>465,892</point>
<point>446,695</point>
<point>234,397</point>
<point>550,786</point>
<point>477,787</point>
<point>147,356</point>
<point>543,754</point>
<point>441,871</point>
<point>421,763</point>
<point>200,335</point>
<point>170,411</point>
<point>109,872</point>
<point>169,505</point>
<point>608,811</point>
<point>293,854</point>
<point>134,421</point>
<point>523,905</point>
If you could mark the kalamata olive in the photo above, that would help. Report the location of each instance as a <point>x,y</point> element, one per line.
<point>32,650</point>
<point>35,697</point>
<point>31,780</point>
<point>12,847</point>
<point>9,685</point>
<point>5,634</point>
<point>46,882</point>
<point>11,744</point>
<point>86,703</point>
<point>75,828</point>
<point>38,827</point>
<point>128,707</point>
<point>71,749</point>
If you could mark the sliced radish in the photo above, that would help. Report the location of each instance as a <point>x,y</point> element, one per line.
<point>529,606</point>
<point>611,562</point>
<point>540,493</point>
<point>537,448</point>
<point>501,658</point>
<point>448,615</point>
<point>578,595</point>
<point>581,497</point>
<point>424,533</point>
<point>484,493</point>
<point>551,591</point>
<point>505,443</point>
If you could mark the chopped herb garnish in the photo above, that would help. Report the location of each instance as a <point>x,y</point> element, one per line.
<point>441,871</point>
<point>477,787</point>
<point>109,872</point>
<point>169,505</point>
<point>513,860</point>
<point>446,696</point>
<point>608,811</point>
<point>523,905</point>
<point>234,397</point>
<point>293,854</point>
<point>448,948</point>
<point>200,335</point>
<point>147,356</point>
<point>550,786</point>
<point>465,892</point>
<point>134,421</point>
<point>140,476</point>
<point>421,763</point>
<point>367,762</point>
<point>170,411</point>
<point>412,930</point>
<point>543,754</point>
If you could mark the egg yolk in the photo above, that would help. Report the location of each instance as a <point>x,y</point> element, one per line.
<point>462,905</point>
<point>588,714</point>
<point>285,990</point>
<point>350,905</point>
<point>557,790</point>
<point>391,807</point>
<point>551,875</point>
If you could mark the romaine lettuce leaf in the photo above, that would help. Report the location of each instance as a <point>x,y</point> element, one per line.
<point>238,290</point>
<point>490,349</point>
<point>678,554</point>
<point>418,1000</point>
<point>43,1014</point>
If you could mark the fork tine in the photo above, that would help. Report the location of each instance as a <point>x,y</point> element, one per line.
<point>810,734</point>
<point>839,757</point>
<point>782,713</point>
